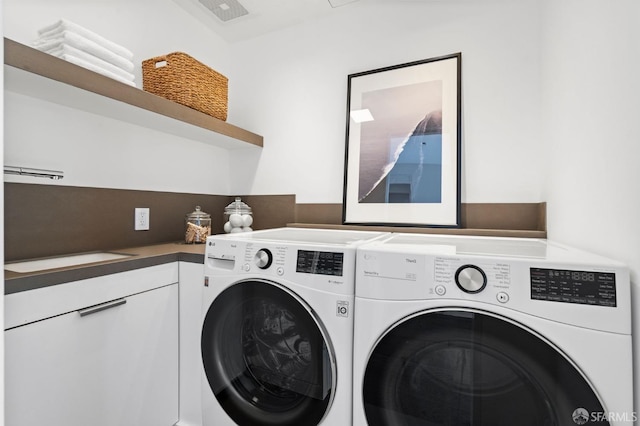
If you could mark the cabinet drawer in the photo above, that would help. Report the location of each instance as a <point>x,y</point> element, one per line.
<point>112,367</point>
<point>35,305</point>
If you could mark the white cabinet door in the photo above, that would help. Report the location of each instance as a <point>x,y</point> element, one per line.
<point>191,372</point>
<point>113,367</point>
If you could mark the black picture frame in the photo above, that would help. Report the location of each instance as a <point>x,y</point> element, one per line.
<point>403,145</point>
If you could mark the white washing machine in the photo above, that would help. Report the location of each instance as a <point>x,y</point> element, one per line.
<point>490,331</point>
<point>277,327</point>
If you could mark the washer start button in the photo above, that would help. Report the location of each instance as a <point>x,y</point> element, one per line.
<point>440,290</point>
<point>502,297</point>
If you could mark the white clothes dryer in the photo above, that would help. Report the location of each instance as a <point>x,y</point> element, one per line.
<point>277,327</point>
<point>490,331</point>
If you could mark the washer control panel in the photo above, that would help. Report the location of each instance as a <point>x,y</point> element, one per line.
<point>325,267</point>
<point>320,262</point>
<point>278,258</point>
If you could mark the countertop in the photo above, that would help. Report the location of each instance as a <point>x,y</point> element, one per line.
<point>141,257</point>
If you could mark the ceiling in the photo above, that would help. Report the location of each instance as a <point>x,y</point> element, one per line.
<point>251,18</point>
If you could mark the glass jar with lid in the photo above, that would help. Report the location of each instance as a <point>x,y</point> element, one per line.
<point>198,227</point>
<point>238,217</point>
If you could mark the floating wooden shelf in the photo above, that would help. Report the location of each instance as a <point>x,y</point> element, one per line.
<point>33,73</point>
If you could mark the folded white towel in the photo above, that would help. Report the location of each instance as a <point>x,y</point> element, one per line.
<point>65,49</point>
<point>75,40</point>
<point>88,65</point>
<point>53,31</point>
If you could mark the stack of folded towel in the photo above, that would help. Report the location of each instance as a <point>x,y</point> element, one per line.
<point>87,49</point>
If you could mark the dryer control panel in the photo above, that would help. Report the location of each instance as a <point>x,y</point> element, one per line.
<point>539,278</point>
<point>569,286</point>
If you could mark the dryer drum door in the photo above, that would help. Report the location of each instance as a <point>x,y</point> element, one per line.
<point>266,357</point>
<point>466,367</point>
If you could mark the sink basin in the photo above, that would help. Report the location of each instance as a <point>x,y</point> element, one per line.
<point>62,262</point>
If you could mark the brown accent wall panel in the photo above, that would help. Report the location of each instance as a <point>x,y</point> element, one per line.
<point>271,211</point>
<point>501,216</point>
<point>520,216</point>
<point>319,213</point>
<point>526,220</point>
<point>542,216</point>
<point>49,220</point>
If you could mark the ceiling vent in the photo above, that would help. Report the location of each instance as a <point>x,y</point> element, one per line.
<point>226,10</point>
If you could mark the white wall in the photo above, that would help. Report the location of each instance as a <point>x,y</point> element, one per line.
<point>99,152</point>
<point>591,106</point>
<point>96,151</point>
<point>290,86</point>
<point>591,51</point>
<point>294,89</point>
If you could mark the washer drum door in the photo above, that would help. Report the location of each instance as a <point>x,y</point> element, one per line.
<point>466,367</point>
<point>266,358</point>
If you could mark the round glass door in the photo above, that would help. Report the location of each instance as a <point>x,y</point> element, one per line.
<point>466,367</point>
<point>266,357</point>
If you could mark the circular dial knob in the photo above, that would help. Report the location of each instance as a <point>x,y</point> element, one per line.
<point>263,258</point>
<point>471,279</point>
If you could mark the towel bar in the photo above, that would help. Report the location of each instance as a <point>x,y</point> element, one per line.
<point>26,171</point>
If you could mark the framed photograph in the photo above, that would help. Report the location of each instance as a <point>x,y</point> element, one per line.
<point>402,160</point>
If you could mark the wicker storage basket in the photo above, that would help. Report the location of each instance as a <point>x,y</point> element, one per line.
<point>182,79</point>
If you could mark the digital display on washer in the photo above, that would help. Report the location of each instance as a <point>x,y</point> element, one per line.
<point>320,262</point>
<point>583,287</point>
